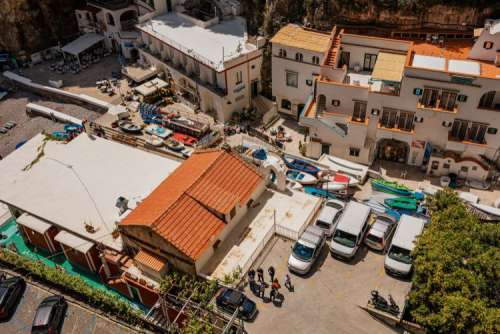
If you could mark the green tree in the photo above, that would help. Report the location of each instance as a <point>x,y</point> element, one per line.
<point>456,281</point>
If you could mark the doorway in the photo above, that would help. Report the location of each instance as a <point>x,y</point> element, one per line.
<point>369,63</point>
<point>169,5</point>
<point>300,107</point>
<point>393,150</point>
<point>255,88</point>
<point>135,293</point>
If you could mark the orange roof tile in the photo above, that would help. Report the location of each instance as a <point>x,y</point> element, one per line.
<point>150,260</point>
<point>182,209</point>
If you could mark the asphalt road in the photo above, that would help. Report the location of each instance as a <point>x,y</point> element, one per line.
<point>78,320</point>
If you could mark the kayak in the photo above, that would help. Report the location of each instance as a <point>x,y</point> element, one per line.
<point>403,203</point>
<point>302,178</point>
<point>391,187</point>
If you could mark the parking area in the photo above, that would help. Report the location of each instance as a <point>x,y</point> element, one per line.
<point>77,321</point>
<point>326,300</point>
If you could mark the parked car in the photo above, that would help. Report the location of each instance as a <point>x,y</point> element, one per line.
<point>306,250</point>
<point>11,291</point>
<point>398,260</point>
<point>380,232</point>
<point>49,315</point>
<point>329,216</point>
<point>350,230</point>
<point>229,300</point>
<point>10,124</point>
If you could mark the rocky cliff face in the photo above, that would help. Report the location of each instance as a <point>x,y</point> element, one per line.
<point>266,16</point>
<point>27,26</point>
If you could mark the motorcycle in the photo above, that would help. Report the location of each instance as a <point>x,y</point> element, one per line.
<point>382,304</point>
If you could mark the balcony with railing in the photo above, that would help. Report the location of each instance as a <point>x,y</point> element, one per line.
<point>110,4</point>
<point>179,67</point>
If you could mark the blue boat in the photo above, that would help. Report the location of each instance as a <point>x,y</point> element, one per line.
<point>301,165</point>
<point>319,192</point>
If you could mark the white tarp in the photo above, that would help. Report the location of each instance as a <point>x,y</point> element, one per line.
<point>151,87</point>
<point>350,168</point>
<point>82,43</point>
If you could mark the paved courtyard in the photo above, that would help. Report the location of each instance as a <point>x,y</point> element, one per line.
<point>77,321</point>
<point>327,300</point>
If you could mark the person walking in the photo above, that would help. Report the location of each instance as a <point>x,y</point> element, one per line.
<point>260,275</point>
<point>288,282</point>
<point>271,273</point>
<point>262,289</point>
<point>274,289</point>
<point>251,279</point>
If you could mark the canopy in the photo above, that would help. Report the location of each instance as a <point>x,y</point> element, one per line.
<point>150,87</point>
<point>33,223</point>
<point>389,67</point>
<point>82,43</point>
<point>74,242</point>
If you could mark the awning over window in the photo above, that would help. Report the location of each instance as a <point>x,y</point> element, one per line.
<point>33,223</point>
<point>389,67</point>
<point>82,43</point>
<point>72,241</point>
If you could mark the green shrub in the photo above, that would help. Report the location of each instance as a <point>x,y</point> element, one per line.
<point>71,283</point>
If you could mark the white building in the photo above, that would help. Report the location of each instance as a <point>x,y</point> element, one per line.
<point>434,103</point>
<point>209,57</point>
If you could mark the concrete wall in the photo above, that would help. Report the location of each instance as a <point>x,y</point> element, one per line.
<point>305,69</point>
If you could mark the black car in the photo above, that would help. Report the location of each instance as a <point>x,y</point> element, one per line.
<point>229,300</point>
<point>11,291</point>
<point>49,316</point>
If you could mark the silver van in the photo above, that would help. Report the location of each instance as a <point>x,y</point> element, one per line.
<point>306,250</point>
<point>398,260</point>
<point>350,230</point>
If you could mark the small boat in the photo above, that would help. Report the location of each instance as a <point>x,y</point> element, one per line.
<point>311,190</point>
<point>185,139</point>
<point>301,165</point>
<point>333,179</point>
<point>129,127</point>
<point>491,210</point>
<point>154,141</point>
<point>391,187</point>
<point>174,145</point>
<point>301,177</point>
<point>481,185</point>
<point>402,203</point>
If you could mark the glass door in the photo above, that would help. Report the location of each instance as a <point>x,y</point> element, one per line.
<point>369,63</point>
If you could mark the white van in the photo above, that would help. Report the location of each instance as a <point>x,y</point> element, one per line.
<point>398,260</point>
<point>350,230</point>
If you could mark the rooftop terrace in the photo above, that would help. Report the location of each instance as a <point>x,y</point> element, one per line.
<point>212,45</point>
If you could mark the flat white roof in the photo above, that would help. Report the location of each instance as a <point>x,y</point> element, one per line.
<point>212,45</point>
<point>33,223</point>
<point>79,182</point>
<point>73,241</point>
<point>150,87</point>
<point>82,43</point>
<point>464,66</point>
<point>354,216</point>
<point>429,62</point>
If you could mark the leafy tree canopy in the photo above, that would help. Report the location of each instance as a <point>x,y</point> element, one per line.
<point>456,281</point>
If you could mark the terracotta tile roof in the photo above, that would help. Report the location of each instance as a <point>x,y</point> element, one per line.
<point>183,208</point>
<point>298,37</point>
<point>455,50</point>
<point>150,260</point>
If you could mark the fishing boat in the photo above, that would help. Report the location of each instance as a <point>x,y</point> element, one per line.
<point>311,190</point>
<point>391,187</point>
<point>333,180</point>
<point>301,165</point>
<point>154,141</point>
<point>129,127</point>
<point>402,203</point>
<point>491,210</point>
<point>301,177</point>
<point>174,145</point>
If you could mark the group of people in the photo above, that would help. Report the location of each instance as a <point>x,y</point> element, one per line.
<point>259,286</point>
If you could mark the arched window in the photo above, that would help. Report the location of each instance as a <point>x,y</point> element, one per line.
<point>285,104</point>
<point>283,53</point>
<point>299,56</point>
<point>110,19</point>
<point>315,60</point>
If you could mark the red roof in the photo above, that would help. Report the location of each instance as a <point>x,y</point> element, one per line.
<point>183,208</point>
